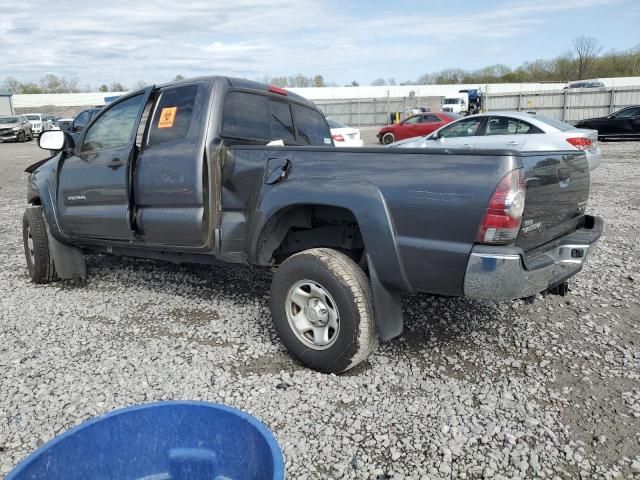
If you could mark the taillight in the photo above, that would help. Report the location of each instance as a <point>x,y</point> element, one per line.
<point>501,221</point>
<point>278,90</point>
<point>337,138</point>
<point>581,143</point>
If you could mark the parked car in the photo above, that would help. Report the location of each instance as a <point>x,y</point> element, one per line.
<point>183,172</point>
<point>415,126</point>
<point>344,136</point>
<point>62,124</point>
<point>585,84</point>
<point>514,130</point>
<point>624,123</point>
<point>82,120</point>
<point>16,128</point>
<point>419,109</point>
<point>39,122</point>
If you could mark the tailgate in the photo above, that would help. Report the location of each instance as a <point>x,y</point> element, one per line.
<point>557,193</point>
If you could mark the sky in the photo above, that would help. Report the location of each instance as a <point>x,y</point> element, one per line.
<point>129,41</point>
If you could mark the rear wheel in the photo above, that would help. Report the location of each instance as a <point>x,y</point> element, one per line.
<point>322,309</point>
<point>388,138</point>
<point>36,246</point>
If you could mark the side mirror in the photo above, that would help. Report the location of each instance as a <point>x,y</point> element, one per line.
<point>54,140</point>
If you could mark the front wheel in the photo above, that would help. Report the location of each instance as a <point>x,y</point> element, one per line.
<point>388,138</point>
<point>21,137</point>
<point>322,309</point>
<point>36,246</point>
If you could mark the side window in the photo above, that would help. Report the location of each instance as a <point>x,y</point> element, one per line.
<point>525,128</point>
<point>430,119</point>
<point>628,113</point>
<point>81,121</point>
<point>281,121</point>
<point>414,119</point>
<point>172,117</point>
<point>501,126</point>
<point>311,126</point>
<point>115,127</point>
<point>245,116</point>
<point>463,128</point>
<point>509,126</point>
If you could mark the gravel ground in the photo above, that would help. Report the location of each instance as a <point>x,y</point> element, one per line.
<point>471,390</point>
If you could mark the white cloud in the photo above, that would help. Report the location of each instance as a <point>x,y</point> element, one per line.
<point>127,41</point>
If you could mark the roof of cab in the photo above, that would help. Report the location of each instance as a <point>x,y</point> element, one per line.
<point>232,82</point>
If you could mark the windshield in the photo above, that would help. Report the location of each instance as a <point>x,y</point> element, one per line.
<point>560,125</point>
<point>452,101</point>
<point>33,117</point>
<point>333,124</point>
<point>8,119</point>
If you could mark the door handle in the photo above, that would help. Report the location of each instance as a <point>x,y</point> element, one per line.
<point>115,163</point>
<point>513,142</point>
<point>279,170</point>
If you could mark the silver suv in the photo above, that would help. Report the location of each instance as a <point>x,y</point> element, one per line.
<point>15,127</point>
<point>39,122</point>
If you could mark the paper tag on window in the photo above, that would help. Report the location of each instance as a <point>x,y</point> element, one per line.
<point>167,116</point>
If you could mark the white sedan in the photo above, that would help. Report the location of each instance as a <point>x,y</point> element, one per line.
<point>511,130</point>
<point>344,136</point>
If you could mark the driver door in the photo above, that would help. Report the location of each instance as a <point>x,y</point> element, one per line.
<point>94,183</point>
<point>460,134</point>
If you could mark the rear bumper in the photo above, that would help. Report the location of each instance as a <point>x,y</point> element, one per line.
<point>594,159</point>
<point>503,273</point>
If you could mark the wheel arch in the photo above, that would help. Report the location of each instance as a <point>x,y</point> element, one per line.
<point>281,207</point>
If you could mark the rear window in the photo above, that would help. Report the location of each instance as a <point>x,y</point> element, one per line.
<point>311,126</point>
<point>172,117</point>
<point>245,116</point>
<point>281,121</point>
<point>560,125</point>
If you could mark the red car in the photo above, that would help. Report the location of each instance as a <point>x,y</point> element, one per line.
<point>415,126</point>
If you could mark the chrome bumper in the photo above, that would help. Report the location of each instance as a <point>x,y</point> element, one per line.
<point>500,273</point>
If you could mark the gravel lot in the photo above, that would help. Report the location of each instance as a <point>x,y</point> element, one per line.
<point>471,390</point>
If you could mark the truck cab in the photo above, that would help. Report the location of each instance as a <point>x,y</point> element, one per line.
<point>458,103</point>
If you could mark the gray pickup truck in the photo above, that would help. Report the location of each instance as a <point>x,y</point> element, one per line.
<point>187,172</point>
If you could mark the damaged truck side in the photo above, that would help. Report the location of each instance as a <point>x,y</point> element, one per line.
<point>186,172</point>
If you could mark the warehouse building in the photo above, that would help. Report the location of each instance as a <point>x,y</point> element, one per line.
<point>6,104</point>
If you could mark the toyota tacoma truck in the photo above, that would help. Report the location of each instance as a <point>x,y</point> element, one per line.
<point>221,170</point>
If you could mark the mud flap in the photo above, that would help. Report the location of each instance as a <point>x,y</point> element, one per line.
<point>68,260</point>
<point>387,305</point>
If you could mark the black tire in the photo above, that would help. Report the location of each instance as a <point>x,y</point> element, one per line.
<point>36,246</point>
<point>21,137</point>
<point>348,287</point>
<point>388,138</point>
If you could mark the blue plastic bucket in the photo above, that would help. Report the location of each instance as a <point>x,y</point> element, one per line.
<point>160,441</point>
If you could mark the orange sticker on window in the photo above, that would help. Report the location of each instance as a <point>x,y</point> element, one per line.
<point>167,116</point>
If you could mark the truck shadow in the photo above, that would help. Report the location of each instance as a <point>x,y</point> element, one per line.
<point>430,321</point>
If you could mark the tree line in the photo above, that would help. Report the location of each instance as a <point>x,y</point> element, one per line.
<point>584,60</point>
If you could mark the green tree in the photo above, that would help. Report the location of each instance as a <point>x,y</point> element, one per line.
<point>117,87</point>
<point>103,88</point>
<point>587,49</point>
<point>178,78</point>
<point>318,81</point>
